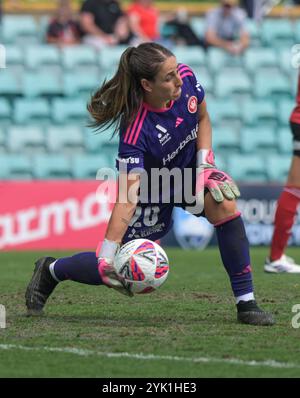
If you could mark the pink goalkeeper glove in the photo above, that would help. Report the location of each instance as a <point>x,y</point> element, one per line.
<point>220,184</point>
<point>106,255</point>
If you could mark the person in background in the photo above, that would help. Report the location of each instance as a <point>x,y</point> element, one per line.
<point>144,20</point>
<point>104,23</point>
<point>226,28</point>
<point>178,28</point>
<point>287,205</point>
<point>63,30</point>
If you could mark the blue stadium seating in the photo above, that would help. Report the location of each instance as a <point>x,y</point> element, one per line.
<point>31,111</point>
<point>256,59</point>
<point>258,140</point>
<point>67,110</point>
<point>274,84</point>
<point>259,112</point>
<point>191,55</point>
<point>40,56</point>
<point>19,29</point>
<point>87,166</point>
<point>2,140</point>
<point>277,33</point>
<point>21,138</point>
<point>62,138</point>
<point>277,167</point>
<point>51,166</point>
<point>5,110</point>
<point>76,56</point>
<point>285,140</point>
<point>37,84</point>
<point>10,83</point>
<point>226,140</point>
<point>250,168</point>
<point>44,92</point>
<point>226,86</point>
<point>15,167</point>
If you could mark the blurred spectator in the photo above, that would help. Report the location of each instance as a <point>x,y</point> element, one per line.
<point>226,28</point>
<point>104,23</point>
<point>0,11</point>
<point>144,20</point>
<point>179,30</point>
<point>63,29</point>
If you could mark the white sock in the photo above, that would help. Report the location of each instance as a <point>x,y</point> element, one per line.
<point>245,297</point>
<point>51,269</point>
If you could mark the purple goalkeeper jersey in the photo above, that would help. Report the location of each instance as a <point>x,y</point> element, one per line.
<point>165,137</point>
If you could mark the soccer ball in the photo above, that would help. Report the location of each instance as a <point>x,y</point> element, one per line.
<point>143,264</point>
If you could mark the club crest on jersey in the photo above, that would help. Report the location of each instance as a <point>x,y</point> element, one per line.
<point>192,104</point>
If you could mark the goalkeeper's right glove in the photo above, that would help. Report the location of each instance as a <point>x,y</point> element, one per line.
<point>106,256</point>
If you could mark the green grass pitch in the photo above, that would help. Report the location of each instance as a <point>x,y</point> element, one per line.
<point>186,329</point>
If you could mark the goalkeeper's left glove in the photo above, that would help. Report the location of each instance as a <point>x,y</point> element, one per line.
<point>219,184</point>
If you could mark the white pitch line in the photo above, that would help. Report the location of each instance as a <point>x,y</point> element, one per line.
<point>82,352</point>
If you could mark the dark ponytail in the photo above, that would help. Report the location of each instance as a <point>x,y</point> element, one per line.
<point>122,96</point>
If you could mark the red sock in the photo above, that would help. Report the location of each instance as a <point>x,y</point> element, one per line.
<point>283,223</point>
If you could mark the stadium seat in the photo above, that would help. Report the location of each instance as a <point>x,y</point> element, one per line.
<point>31,110</point>
<point>36,84</point>
<point>285,108</point>
<point>221,111</point>
<point>10,83</point>
<point>226,140</point>
<point>258,112</point>
<point>51,167</point>
<point>108,59</point>
<point>2,140</point>
<point>250,168</point>
<point>20,29</point>
<point>15,167</point>
<point>277,32</point>
<point>285,140</point>
<point>67,110</point>
<point>278,167</point>
<point>20,138</point>
<point>64,137</point>
<point>87,166</point>
<point>80,55</point>
<point>225,85</point>
<point>275,84</point>
<point>253,28</point>
<point>5,110</point>
<point>258,140</point>
<point>87,83</point>
<point>14,55</point>
<point>256,59</point>
<point>95,142</point>
<point>40,56</point>
<point>190,55</point>
<point>219,60</point>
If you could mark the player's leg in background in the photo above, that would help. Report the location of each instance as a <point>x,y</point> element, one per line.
<point>285,214</point>
<point>235,254</point>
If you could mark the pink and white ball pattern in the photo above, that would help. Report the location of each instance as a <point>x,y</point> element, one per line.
<point>143,264</point>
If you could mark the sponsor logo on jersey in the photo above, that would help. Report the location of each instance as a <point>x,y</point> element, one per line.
<point>179,120</point>
<point>192,136</point>
<point>163,136</point>
<point>129,160</point>
<point>192,104</point>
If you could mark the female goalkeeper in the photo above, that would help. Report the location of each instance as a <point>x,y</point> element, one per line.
<point>160,113</point>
